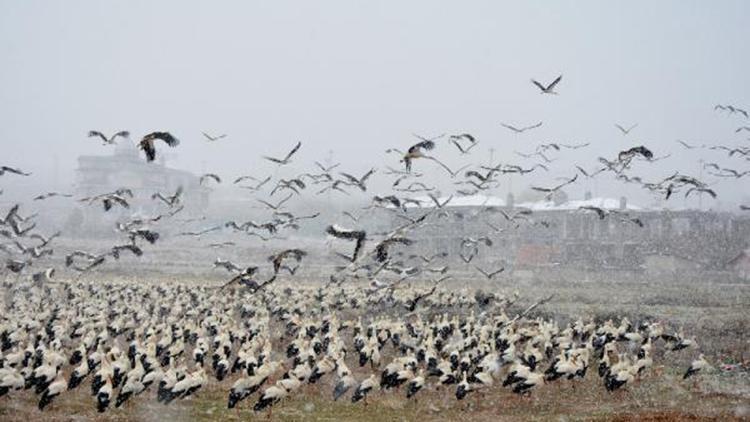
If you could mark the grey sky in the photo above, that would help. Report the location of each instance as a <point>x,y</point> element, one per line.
<point>358,77</point>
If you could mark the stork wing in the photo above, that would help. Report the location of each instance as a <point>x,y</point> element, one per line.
<point>167,138</point>
<point>158,195</point>
<point>367,175</point>
<point>96,133</point>
<point>555,82</point>
<point>148,147</point>
<point>275,160</point>
<point>575,146</point>
<point>177,194</point>
<point>455,142</point>
<point>441,165</point>
<point>3,169</point>
<point>538,85</point>
<point>263,182</point>
<point>482,271</point>
<point>350,177</point>
<point>211,176</point>
<point>284,200</point>
<point>122,133</point>
<point>269,205</point>
<point>120,200</point>
<point>242,178</point>
<point>514,129</point>
<point>293,151</point>
<point>533,126</point>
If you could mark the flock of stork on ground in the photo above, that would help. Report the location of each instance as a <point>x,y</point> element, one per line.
<point>140,341</point>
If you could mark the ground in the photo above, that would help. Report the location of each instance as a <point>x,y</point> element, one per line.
<point>717,314</point>
<point>663,398</point>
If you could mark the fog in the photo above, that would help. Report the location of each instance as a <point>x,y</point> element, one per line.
<point>351,79</point>
<point>472,247</point>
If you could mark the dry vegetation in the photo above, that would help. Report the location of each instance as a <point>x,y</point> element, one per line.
<point>653,398</point>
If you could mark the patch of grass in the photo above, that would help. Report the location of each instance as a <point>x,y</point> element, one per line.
<point>662,397</point>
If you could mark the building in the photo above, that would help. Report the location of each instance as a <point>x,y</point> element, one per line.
<point>125,168</point>
<point>554,233</point>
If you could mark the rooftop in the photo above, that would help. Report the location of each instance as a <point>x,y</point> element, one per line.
<point>603,203</point>
<point>494,201</point>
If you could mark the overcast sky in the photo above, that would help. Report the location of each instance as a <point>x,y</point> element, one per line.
<point>358,77</point>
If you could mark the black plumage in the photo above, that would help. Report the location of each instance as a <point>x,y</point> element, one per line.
<point>147,143</point>
<point>357,235</point>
